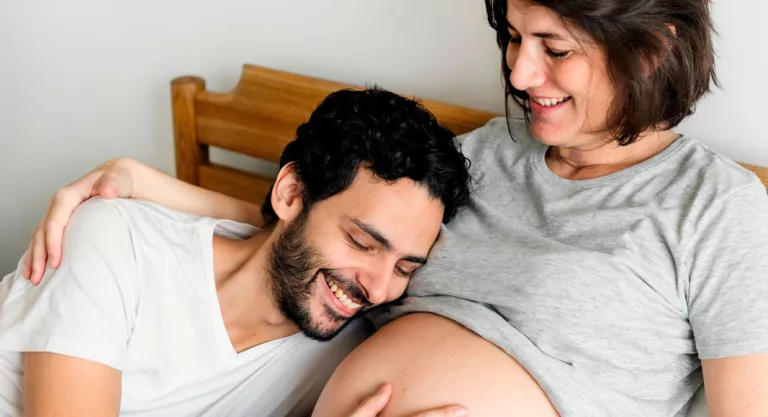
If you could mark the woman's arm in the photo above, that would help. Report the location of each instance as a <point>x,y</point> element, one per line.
<point>737,386</point>
<point>727,289</point>
<point>158,187</point>
<point>126,178</point>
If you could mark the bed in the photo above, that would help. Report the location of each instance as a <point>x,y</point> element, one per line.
<point>260,116</point>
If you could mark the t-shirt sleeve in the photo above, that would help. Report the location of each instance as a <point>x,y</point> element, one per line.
<point>729,277</point>
<point>86,308</point>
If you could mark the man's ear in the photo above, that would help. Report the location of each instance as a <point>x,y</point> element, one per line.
<point>286,195</point>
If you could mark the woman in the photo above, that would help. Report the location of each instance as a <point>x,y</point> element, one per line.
<point>607,265</point>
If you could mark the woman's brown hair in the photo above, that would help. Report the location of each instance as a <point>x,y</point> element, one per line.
<point>674,36</point>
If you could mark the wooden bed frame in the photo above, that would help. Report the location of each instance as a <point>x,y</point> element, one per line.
<point>259,117</point>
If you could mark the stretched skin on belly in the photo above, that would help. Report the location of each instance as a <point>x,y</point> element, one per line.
<point>432,361</point>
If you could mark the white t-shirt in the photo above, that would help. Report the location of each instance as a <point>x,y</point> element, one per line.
<point>135,291</point>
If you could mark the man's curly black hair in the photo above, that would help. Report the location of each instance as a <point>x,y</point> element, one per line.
<point>392,136</point>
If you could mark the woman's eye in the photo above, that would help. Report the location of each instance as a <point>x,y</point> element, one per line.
<point>552,53</point>
<point>557,54</point>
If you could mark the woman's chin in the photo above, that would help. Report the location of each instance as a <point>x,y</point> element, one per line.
<point>551,135</point>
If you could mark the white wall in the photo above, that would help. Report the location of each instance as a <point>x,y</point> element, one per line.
<point>734,120</point>
<point>82,81</point>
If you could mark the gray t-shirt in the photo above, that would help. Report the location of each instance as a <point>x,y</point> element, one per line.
<point>608,291</point>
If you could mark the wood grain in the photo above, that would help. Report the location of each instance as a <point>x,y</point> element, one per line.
<point>261,115</point>
<point>235,183</point>
<point>189,152</point>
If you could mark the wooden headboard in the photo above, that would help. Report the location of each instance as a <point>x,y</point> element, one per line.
<point>259,117</point>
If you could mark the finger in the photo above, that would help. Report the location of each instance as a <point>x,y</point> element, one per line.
<point>372,405</point>
<point>107,191</point>
<point>104,187</point>
<point>28,261</point>
<point>39,256</point>
<point>447,411</point>
<point>54,235</point>
<point>32,260</point>
<point>116,182</point>
<point>62,206</point>
<point>82,188</point>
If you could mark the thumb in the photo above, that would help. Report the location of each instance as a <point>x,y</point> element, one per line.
<point>448,411</point>
<point>372,405</point>
<point>105,190</point>
<point>114,183</point>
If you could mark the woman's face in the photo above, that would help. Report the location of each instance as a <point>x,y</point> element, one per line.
<point>565,77</point>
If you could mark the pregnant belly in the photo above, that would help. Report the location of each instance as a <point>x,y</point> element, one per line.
<point>432,361</point>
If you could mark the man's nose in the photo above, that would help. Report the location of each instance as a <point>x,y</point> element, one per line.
<point>376,284</point>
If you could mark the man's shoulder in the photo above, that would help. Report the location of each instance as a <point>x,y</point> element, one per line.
<point>86,306</point>
<point>95,221</point>
<point>137,210</point>
<point>102,217</point>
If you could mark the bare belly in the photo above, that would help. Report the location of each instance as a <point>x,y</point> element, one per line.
<point>432,361</point>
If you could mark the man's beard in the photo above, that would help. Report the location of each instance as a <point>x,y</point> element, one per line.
<point>293,284</point>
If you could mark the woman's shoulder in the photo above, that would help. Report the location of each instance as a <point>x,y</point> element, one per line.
<point>711,189</point>
<point>711,174</point>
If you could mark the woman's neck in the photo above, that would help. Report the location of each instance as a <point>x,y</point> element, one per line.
<point>600,158</point>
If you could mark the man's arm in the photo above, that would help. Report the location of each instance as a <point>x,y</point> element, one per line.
<point>63,386</point>
<point>87,310</point>
<point>737,386</point>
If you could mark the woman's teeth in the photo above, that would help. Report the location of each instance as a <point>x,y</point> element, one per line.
<point>549,102</point>
<point>341,295</point>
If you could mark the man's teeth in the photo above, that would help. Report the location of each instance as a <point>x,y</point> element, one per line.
<point>548,102</point>
<point>341,295</point>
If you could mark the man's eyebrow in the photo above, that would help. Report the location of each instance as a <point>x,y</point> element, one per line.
<point>415,259</point>
<point>383,241</point>
<point>542,35</point>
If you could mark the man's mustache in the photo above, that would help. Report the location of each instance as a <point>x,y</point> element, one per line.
<point>349,286</point>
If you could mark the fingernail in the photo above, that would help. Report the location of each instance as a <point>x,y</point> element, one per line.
<point>381,390</point>
<point>461,411</point>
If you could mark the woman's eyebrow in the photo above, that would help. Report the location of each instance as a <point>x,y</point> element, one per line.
<point>543,35</point>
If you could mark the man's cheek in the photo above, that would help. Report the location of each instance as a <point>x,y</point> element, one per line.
<point>341,256</point>
<point>397,290</point>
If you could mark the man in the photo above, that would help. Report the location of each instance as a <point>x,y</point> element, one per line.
<point>157,313</point>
